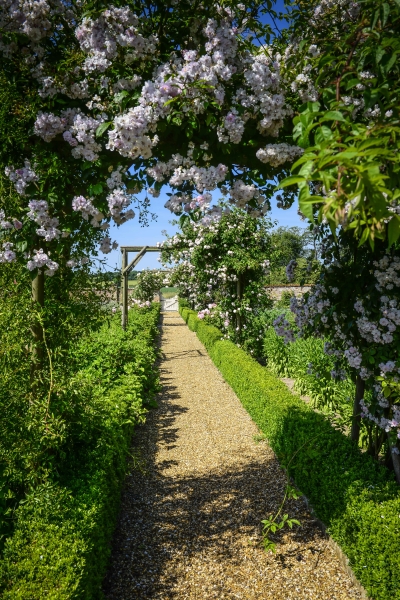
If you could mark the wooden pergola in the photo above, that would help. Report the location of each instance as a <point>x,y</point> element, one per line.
<point>126,269</point>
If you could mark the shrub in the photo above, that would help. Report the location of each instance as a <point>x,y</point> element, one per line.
<point>354,496</point>
<point>60,546</point>
<point>306,362</point>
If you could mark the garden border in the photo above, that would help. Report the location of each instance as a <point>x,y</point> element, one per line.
<point>61,544</point>
<point>355,499</point>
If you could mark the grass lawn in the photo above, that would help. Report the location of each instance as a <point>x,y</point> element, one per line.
<point>169,292</point>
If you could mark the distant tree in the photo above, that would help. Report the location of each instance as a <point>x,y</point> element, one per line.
<point>293,256</point>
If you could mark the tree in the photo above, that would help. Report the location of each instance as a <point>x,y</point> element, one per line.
<point>295,246</point>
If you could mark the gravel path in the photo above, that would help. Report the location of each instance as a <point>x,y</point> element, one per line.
<point>201,483</point>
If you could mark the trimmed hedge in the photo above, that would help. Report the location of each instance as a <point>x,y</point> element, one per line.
<point>207,333</point>
<point>60,546</point>
<point>356,498</point>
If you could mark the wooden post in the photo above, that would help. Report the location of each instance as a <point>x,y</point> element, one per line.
<point>37,330</point>
<point>124,284</point>
<point>355,428</point>
<point>395,460</point>
<point>239,297</point>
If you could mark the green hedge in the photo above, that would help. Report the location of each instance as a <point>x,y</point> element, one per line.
<point>207,333</point>
<point>356,498</point>
<point>60,546</point>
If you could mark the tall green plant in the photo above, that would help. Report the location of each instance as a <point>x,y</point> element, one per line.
<point>346,57</point>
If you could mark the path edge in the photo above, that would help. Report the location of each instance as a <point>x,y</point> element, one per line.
<point>341,556</point>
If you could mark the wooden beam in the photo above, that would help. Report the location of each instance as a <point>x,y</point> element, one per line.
<point>135,261</point>
<point>138,248</point>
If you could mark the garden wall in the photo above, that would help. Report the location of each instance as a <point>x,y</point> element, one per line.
<point>356,498</point>
<point>276,291</point>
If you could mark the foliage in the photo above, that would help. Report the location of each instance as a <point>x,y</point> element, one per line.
<point>148,283</point>
<point>271,525</point>
<point>306,361</point>
<point>215,74</point>
<point>346,57</point>
<point>293,244</point>
<point>94,100</point>
<point>354,308</point>
<point>152,70</point>
<point>208,333</point>
<point>52,178</point>
<point>63,525</point>
<point>356,498</point>
<point>223,267</point>
<point>37,415</point>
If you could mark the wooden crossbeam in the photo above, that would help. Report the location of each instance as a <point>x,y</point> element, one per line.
<point>138,248</point>
<point>135,261</point>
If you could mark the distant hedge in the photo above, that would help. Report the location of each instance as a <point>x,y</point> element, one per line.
<point>356,498</point>
<point>60,546</point>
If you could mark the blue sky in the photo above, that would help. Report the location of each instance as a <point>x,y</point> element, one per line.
<point>133,234</point>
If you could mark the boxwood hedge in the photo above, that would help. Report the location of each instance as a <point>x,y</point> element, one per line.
<point>60,546</point>
<point>356,498</point>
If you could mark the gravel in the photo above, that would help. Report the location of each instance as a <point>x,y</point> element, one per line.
<point>202,479</point>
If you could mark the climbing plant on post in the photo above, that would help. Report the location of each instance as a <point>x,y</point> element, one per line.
<point>355,307</point>
<point>223,267</point>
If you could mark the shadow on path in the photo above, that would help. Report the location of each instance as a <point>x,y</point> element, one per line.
<point>183,535</point>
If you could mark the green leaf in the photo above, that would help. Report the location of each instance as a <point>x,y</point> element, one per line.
<point>379,53</point>
<point>120,96</point>
<point>21,246</point>
<point>297,130</point>
<point>375,19</point>
<point>364,237</point>
<point>352,83</point>
<point>313,106</point>
<point>394,230</point>
<point>323,133</point>
<point>306,169</point>
<point>326,59</point>
<point>386,66</point>
<point>305,204</point>
<point>385,13</point>
<point>302,44</point>
<point>96,189</point>
<point>291,180</point>
<point>333,115</point>
<point>102,128</point>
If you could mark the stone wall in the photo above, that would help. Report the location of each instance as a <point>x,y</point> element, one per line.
<point>276,291</point>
